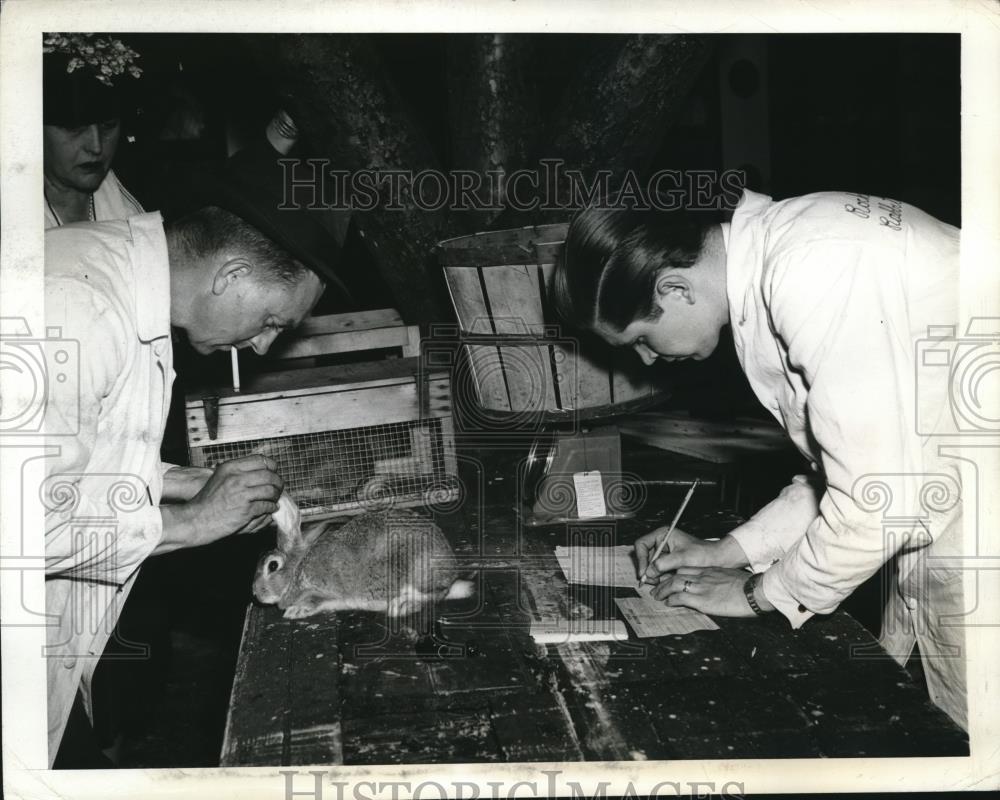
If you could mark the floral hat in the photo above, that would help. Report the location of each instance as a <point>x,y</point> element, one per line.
<point>86,76</point>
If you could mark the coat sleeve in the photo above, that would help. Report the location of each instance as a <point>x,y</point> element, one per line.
<point>770,533</point>
<point>99,524</point>
<point>840,310</point>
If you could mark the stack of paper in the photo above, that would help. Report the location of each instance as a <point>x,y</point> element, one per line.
<point>599,566</point>
<point>616,566</point>
<point>650,617</point>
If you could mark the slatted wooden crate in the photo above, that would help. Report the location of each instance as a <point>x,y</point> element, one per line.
<point>347,438</point>
<point>521,359</point>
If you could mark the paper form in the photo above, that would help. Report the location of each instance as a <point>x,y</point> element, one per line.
<point>599,566</point>
<point>650,617</point>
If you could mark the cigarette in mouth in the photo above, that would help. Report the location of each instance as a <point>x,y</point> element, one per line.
<point>233,352</point>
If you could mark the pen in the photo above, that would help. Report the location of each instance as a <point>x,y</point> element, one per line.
<point>670,530</point>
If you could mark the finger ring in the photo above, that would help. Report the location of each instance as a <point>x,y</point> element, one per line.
<point>686,585</point>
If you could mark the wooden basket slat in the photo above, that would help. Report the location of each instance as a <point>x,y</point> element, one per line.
<point>502,297</point>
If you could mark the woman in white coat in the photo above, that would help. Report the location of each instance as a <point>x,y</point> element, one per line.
<point>829,297</point>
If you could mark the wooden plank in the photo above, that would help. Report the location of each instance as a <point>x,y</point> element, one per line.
<point>468,301</point>
<point>423,737</point>
<point>491,665</point>
<point>438,398</point>
<point>528,375</point>
<point>539,243</point>
<point>722,718</point>
<point>515,299</point>
<point>586,380</point>
<point>709,441</point>
<point>448,448</point>
<point>485,366</point>
<point>693,426</point>
<point>253,731</point>
<point>350,321</point>
<point>412,347</point>
<point>284,707</point>
<point>307,413</point>
<point>288,383</point>
<point>516,303</point>
<point>534,727</point>
<point>314,727</point>
<point>344,342</point>
<point>351,508</point>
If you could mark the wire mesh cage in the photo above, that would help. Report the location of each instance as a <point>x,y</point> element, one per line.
<point>345,440</point>
<point>359,469</point>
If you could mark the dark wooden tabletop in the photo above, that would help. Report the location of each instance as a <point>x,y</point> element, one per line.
<point>472,686</point>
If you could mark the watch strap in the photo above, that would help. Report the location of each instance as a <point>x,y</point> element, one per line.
<point>748,589</point>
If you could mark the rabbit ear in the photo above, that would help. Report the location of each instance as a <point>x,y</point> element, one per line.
<point>310,534</point>
<point>288,520</point>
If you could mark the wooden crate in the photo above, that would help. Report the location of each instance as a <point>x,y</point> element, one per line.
<point>381,329</point>
<point>347,438</point>
<point>520,358</point>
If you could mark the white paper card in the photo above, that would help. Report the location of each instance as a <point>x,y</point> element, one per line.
<point>578,630</point>
<point>589,495</point>
<point>650,617</point>
<point>599,566</point>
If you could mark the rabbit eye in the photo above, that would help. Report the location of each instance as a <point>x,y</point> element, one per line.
<point>272,566</point>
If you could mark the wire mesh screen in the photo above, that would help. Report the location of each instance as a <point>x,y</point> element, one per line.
<point>355,468</point>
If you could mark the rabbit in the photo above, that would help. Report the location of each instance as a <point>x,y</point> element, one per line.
<point>392,561</point>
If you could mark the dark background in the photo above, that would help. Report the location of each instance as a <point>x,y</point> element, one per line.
<point>870,113</point>
<point>875,113</point>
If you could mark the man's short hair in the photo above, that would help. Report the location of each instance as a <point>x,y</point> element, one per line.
<point>607,270</point>
<point>212,230</point>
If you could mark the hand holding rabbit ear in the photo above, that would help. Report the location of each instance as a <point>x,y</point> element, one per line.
<point>288,520</point>
<point>239,497</point>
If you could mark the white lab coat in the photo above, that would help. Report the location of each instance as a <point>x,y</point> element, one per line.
<point>107,286</point>
<point>829,297</point>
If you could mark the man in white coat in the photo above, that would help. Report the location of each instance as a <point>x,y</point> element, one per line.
<point>828,296</point>
<point>233,272</point>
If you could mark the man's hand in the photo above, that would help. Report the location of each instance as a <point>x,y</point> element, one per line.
<point>711,590</point>
<point>180,484</point>
<point>684,550</point>
<point>239,497</point>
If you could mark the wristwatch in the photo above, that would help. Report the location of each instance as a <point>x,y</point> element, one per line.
<point>748,589</point>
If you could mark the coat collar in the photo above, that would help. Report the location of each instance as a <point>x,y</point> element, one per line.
<point>152,278</point>
<point>744,253</point>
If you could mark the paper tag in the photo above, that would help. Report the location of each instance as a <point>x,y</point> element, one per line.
<point>589,495</point>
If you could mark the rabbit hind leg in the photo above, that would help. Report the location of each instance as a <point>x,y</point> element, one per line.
<point>409,600</point>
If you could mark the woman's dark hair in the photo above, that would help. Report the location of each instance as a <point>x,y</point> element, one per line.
<point>607,270</point>
<point>74,99</point>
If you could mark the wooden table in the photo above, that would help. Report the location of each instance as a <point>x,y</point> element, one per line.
<point>347,689</point>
